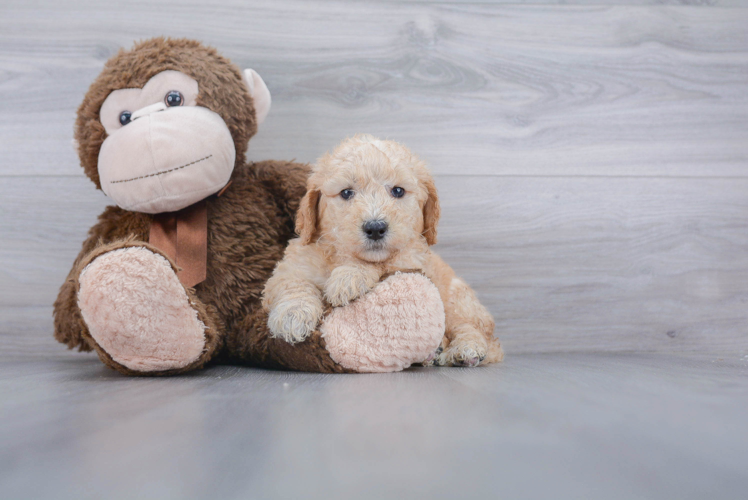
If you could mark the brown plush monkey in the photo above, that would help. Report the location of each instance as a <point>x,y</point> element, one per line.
<point>171,278</point>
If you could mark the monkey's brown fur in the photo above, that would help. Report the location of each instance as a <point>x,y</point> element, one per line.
<point>248,226</point>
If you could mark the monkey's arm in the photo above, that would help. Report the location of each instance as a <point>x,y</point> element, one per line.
<point>114,223</point>
<point>259,347</point>
<point>363,336</point>
<point>285,180</point>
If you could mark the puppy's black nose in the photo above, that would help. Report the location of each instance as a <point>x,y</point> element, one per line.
<point>375,229</point>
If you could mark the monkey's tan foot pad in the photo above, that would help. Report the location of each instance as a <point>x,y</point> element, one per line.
<point>138,312</point>
<point>398,323</point>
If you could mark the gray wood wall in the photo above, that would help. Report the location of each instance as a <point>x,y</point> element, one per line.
<point>592,159</point>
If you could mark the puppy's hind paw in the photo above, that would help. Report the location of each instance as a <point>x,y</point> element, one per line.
<point>433,357</point>
<point>294,322</point>
<point>462,353</point>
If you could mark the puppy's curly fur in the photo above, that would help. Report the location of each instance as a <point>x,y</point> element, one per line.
<point>334,261</point>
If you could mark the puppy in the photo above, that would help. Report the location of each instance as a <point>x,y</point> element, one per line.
<point>371,208</point>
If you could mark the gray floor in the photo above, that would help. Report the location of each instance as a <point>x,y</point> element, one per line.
<point>538,426</point>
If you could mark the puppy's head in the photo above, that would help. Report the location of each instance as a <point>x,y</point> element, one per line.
<point>369,198</point>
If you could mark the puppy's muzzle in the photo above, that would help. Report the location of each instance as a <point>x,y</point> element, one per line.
<point>375,230</point>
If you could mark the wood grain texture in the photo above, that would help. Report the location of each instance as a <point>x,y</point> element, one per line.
<point>564,264</point>
<point>592,159</point>
<point>476,88</point>
<point>563,426</point>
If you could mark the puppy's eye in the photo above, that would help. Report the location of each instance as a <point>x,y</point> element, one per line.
<point>124,118</point>
<point>347,194</point>
<point>174,98</point>
<point>397,192</point>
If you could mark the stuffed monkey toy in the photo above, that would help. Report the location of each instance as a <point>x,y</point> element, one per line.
<point>170,279</point>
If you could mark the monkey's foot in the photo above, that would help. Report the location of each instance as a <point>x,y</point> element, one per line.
<point>139,313</point>
<point>398,323</point>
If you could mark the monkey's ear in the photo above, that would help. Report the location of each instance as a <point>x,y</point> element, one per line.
<point>259,92</point>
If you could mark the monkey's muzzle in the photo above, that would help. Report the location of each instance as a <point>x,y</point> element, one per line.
<point>166,159</point>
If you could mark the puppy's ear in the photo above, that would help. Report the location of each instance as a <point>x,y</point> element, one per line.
<point>431,212</point>
<point>306,217</point>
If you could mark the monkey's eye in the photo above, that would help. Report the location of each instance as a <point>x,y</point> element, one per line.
<point>174,98</point>
<point>347,194</point>
<point>124,118</point>
<point>397,192</point>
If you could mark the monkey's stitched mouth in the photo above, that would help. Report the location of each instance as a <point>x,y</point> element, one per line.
<point>161,172</point>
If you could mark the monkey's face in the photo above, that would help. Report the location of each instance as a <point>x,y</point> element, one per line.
<point>163,152</point>
<point>165,122</point>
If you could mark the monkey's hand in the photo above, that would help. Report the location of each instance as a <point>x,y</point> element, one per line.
<point>347,283</point>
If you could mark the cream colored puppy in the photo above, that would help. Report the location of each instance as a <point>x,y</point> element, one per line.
<point>371,208</point>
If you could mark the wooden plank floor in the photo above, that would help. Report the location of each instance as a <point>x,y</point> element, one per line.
<point>592,162</point>
<point>576,426</point>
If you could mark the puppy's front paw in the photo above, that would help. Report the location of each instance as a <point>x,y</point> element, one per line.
<point>462,352</point>
<point>346,284</point>
<point>293,321</point>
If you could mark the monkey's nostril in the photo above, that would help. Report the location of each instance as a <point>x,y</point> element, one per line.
<point>375,229</point>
